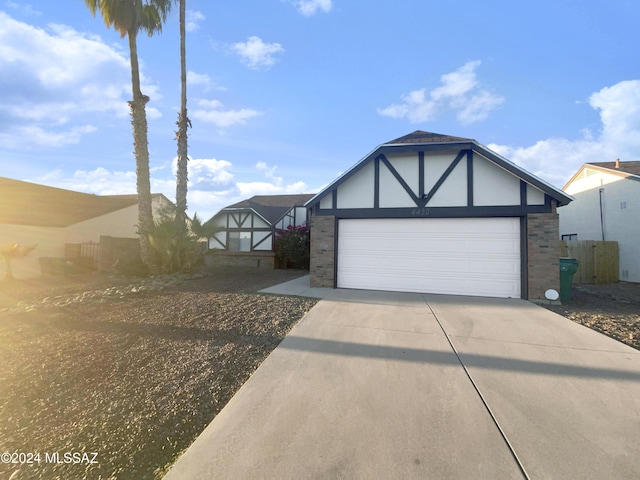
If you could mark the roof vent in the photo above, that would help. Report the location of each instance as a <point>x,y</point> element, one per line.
<point>618,163</point>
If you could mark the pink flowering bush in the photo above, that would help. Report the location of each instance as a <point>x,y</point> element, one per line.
<point>292,247</point>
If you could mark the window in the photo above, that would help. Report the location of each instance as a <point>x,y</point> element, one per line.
<point>623,205</point>
<point>239,241</point>
<point>570,236</point>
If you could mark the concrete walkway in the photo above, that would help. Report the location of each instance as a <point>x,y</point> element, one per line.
<point>299,287</point>
<point>391,385</point>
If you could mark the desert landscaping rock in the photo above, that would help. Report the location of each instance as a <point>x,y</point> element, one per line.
<point>129,372</point>
<point>612,309</point>
<point>99,296</point>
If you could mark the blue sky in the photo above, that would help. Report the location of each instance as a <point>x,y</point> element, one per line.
<point>284,95</point>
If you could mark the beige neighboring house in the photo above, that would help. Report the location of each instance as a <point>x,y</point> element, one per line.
<point>52,217</point>
<point>606,207</point>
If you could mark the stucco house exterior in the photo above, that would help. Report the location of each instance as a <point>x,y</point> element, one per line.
<point>439,214</point>
<point>248,228</point>
<point>53,217</point>
<point>606,207</point>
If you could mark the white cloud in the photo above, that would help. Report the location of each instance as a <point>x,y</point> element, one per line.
<point>310,7</point>
<point>28,137</point>
<point>212,183</point>
<point>210,171</point>
<point>269,172</point>
<point>557,159</point>
<point>212,111</point>
<point>194,78</point>
<point>54,76</point>
<point>99,181</point>
<point>256,54</point>
<point>26,9</point>
<point>193,17</point>
<point>274,186</point>
<point>459,92</point>
<point>477,107</point>
<point>203,80</point>
<point>265,188</point>
<point>619,108</point>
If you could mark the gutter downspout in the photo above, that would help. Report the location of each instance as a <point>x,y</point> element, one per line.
<point>601,194</point>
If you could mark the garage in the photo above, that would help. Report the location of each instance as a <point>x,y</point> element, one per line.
<point>433,213</point>
<point>467,256</point>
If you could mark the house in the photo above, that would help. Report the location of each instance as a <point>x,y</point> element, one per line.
<point>440,214</point>
<point>606,207</point>
<point>54,217</point>
<point>248,228</point>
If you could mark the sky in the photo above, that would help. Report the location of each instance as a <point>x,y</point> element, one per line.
<point>285,95</point>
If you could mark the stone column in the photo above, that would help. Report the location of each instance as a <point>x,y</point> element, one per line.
<point>322,267</point>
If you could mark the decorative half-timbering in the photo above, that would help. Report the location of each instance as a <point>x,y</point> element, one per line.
<point>250,225</point>
<point>436,213</point>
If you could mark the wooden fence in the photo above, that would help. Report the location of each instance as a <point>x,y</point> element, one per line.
<point>598,261</point>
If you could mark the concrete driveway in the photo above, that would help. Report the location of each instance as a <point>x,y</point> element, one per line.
<point>391,385</point>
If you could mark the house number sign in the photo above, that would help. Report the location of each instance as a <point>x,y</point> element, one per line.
<point>420,212</point>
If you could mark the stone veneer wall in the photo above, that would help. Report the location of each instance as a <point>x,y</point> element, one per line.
<point>322,251</point>
<point>543,251</point>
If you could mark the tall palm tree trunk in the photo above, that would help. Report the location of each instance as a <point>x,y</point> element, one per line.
<point>141,152</point>
<point>181,135</point>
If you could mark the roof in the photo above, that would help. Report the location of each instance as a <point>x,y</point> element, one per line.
<point>632,167</point>
<point>271,207</point>
<point>428,140</point>
<point>630,170</point>
<point>25,203</point>
<point>420,136</point>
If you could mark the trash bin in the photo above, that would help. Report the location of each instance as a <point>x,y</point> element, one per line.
<point>568,267</point>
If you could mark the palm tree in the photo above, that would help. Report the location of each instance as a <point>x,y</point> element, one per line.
<point>181,135</point>
<point>128,17</point>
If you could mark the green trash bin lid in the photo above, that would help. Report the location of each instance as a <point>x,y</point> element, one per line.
<point>569,265</point>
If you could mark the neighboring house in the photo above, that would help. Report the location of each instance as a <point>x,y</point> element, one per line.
<point>439,214</point>
<point>606,207</point>
<point>248,228</point>
<point>53,217</point>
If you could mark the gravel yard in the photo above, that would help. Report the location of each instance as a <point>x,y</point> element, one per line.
<point>135,374</point>
<point>612,309</point>
<point>133,379</point>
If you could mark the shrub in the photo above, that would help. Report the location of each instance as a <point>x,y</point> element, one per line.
<point>292,247</point>
<point>176,250</point>
<point>13,251</point>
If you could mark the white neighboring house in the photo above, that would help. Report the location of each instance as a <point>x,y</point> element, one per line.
<point>52,217</point>
<point>436,213</point>
<point>606,207</point>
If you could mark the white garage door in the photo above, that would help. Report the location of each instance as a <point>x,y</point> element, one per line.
<point>457,256</point>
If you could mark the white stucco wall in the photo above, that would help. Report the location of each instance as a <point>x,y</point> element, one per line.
<point>453,192</point>
<point>620,213</point>
<point>358,191</point>
<point>392,193</point>
<point>492,185</point>
<point>51,240</point>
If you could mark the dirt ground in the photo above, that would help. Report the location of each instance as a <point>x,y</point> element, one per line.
<point>134,380</point>
<point>612,309</point>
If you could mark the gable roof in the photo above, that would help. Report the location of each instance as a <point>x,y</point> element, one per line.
<point>630,170</point>
<point>271,207</point>
<point>431,141</point>
<point>25,203</point>
<point>632,167</point>
<point>420,136</point>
